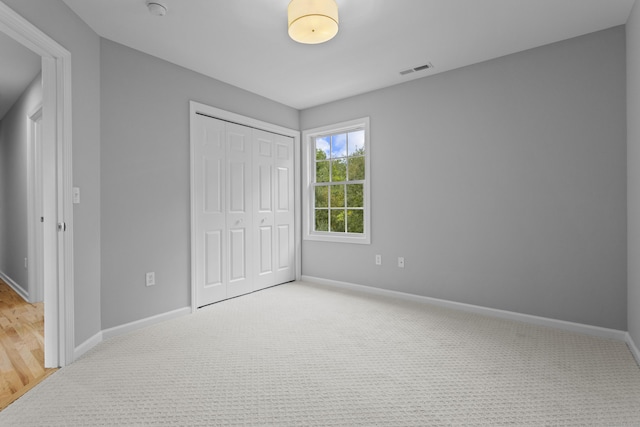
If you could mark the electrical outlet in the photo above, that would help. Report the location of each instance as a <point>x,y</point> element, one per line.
<point>401,262</point>
<point>378,259</point>
<point>151,278</point>
<point>26,264</point>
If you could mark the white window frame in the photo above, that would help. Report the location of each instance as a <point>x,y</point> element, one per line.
<point>308,199</point>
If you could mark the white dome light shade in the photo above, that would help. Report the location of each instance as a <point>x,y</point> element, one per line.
<point>313,21</point>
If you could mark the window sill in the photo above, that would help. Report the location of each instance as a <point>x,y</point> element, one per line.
<point>342,238</point>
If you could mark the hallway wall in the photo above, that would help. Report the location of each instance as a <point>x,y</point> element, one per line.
<point>14,141</point>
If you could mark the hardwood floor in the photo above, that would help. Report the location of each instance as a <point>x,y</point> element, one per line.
<point>21,345</point>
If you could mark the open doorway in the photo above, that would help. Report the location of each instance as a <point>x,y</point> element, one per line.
<point>54,124</point>
<point>21,88</point>
<point>22,248</point>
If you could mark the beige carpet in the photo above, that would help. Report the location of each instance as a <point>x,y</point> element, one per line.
<point>300,354</point>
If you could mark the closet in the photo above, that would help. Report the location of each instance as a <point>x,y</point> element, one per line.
<point>244,209</point>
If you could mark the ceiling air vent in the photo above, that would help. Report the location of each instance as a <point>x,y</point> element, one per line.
<point>419,68</point>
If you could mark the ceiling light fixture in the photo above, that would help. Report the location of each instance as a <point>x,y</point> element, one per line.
<point>157,7</point>
<point>313,21</point>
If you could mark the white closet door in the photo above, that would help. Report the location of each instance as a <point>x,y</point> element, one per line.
<point>273,206</point>
<point>263,201</point>
<point>209,188</point>
<point>284,217</point>
<point>239,209</point>
<point>244,201</point>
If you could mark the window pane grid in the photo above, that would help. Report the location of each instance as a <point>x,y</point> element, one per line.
<point>321,184</point>
<point>338,182</point>
<point>339,220</point>
<point>337,213</point>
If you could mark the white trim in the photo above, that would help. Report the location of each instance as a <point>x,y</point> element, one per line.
<point>87,345</point>
<point>53,304</point>
<point>195,108</point>
<point>13,285</point>
<point>127,328</point>
<point>632,347</point>
<point>143,323</point>
<point>486,311</point>
<point>308,178</point>
<point>298,204</point>
<point>217,113</point>
<point>34,203</point>
<point>56,77</point>
<point>65,207</point>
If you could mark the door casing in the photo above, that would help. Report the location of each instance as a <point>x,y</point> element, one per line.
<point>56,133</point>
<point>35,229</point>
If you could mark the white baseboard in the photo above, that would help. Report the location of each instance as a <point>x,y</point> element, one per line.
<point>87,345</point>
<point>138,324</point>
<point>126,328</point>
<point>13,285</point>
<point>632,347</point>
<point>502,314</point>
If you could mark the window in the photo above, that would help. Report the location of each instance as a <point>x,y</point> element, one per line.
<point>336,199</point>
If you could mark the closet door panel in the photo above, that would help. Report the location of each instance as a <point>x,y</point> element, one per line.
<point>284,247</point>
<point>239,213</point>
<point>213,258</point>
<point>265,260</point>
<point>284,215</point>
<point>209,154</point>
<point>263,187</point>
<point>265,193</point>
<point>237,255</point>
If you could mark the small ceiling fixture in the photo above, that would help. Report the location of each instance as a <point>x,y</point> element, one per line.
<point>313,21</point>
<point>157,7</point>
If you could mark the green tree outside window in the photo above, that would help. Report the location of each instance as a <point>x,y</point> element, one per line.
<point>339,196</point>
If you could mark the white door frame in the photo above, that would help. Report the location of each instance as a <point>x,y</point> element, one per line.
<point>35,207</point>
<point>56,132</point>
<point>195,108</point>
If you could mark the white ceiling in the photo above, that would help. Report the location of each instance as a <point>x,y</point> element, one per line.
<point>245,42</point>
<point>18,67</point>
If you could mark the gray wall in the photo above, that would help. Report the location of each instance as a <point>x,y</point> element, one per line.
<point>55,19</point>
<point>519,202</point>
<point>503,184</point>
<point>14,142</point>
<point>633,164</point>
<point>145,176</point>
